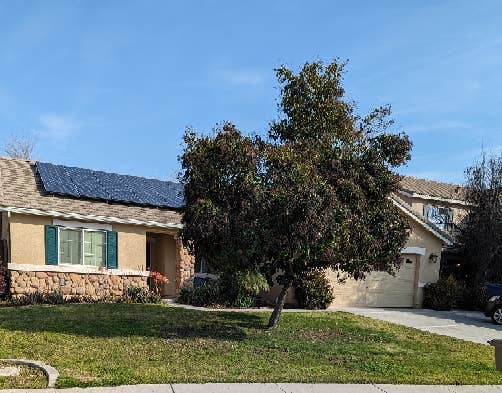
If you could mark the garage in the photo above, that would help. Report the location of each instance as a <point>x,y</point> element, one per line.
<point>379,289</point>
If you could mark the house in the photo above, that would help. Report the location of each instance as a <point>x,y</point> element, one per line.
<point>434,210</point>
<point>87,232</point>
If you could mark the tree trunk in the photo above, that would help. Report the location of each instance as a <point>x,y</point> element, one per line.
<point>279,305</point>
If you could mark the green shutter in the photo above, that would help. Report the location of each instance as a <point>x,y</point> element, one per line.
<point>111,250</point>
<point>51,245</point>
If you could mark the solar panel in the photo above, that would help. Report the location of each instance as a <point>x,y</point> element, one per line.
<point>56,179</point>
<point>86,183</point>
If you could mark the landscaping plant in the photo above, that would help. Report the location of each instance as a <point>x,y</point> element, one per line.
<point>314,292</point>
<point>443,294</point>
<point>313,194</point>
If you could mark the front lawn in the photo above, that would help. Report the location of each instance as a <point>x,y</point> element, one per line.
<point>111,344</point>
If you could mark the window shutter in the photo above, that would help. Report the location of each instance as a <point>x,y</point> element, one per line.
<point>111,250</point>
<point>51,245</point>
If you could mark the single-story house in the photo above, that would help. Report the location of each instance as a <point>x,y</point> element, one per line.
<point>86,232</point>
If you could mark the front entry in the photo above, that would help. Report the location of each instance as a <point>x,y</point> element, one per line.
<point>161,257</point>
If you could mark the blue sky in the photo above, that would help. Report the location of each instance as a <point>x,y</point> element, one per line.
<point>112,85</point>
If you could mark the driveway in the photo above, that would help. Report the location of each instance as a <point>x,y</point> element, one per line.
<point>466,325</point>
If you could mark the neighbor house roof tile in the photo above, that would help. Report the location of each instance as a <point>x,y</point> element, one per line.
<point>432,188</point>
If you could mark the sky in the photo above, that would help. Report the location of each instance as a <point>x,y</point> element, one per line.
<point>112,85</point>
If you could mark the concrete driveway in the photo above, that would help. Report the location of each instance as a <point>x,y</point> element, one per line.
<point>466,325</point>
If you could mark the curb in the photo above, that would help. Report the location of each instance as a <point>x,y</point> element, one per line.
<point>50,372</point>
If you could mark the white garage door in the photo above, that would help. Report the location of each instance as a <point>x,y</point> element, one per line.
<point>379,289</point>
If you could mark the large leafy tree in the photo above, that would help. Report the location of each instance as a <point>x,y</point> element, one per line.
<point>312,195</point>
<point>480,233</point>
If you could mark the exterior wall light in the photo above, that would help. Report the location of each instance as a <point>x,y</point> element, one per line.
<point>433,258</point>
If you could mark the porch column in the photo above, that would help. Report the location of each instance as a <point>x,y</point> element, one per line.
<point>185,264</point>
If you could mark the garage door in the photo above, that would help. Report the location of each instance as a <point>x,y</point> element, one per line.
<point>379,289</point>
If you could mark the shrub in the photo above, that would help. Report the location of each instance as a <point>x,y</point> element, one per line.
<point>314,292</point>
<point>207,294</point>
<point>442,295</point>
<point>472,297</point>
<point>136,294</point>
<point>54,297</point>
<point>242,289</point>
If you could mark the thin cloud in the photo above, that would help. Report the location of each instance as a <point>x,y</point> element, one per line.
<point>56,126</point>
<point>242,77</point>
<point>439,126</point>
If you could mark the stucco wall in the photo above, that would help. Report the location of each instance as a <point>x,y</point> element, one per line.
<point>131,246</point>
<point>417,205</point>
<point>427,270</point>
<point>354,292</point>
<point>27,242</point>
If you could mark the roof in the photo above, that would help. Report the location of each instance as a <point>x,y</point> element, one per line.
<point>406,209</point>
<point>21,188</point>
<point>417,187</point>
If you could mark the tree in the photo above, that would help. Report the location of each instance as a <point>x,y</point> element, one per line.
<point>480,233</point>
<point>312,195</point>
<point>19,148</point>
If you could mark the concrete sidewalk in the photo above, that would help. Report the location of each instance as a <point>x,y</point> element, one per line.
<point>274,388</point>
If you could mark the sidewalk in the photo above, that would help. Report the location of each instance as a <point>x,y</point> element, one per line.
<point>273,388</point>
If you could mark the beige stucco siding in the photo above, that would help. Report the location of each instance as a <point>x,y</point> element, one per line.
<point>427,271</point>
<point>131,246</point>
<point>406,288</point>
<point>27,239</point>
<point>417,205</point>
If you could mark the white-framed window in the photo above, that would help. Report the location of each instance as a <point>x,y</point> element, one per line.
<point>441,216</point>
<point>79,246</point>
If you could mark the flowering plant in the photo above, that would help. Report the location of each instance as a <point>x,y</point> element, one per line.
<point>157,279</point>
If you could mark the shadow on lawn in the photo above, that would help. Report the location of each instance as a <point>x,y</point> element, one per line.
<point>115,320</point>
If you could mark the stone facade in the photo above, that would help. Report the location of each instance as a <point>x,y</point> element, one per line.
<point>77,284</point>
<point>4,273</point>
<point>3,279</point>
<point>185,266</point>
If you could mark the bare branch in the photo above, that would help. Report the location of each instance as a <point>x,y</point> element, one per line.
<point>19,148</point>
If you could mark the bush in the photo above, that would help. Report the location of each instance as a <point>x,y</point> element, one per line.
<point>54,297</point>
<point>135,294</point>
<point>442,295</point>
<point>314,292</point>
<point>472,297</point>
<point>207,294</point>
<point>241,289</point>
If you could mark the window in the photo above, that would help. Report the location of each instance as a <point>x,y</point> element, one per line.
<point>94,248</point>
<point>82,247</point>
<point>442,217</point>
<point>201,266</point>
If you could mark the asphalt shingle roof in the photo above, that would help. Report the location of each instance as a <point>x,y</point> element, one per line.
<point>432,188</point>
<point>21,187</point>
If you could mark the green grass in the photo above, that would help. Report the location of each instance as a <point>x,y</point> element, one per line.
<point>111,344</point>
<point>28,378</point>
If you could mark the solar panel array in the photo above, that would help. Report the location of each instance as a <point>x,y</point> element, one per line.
<point>86,183</point>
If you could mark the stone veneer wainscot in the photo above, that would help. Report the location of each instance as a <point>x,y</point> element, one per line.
<point>97,284</point>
